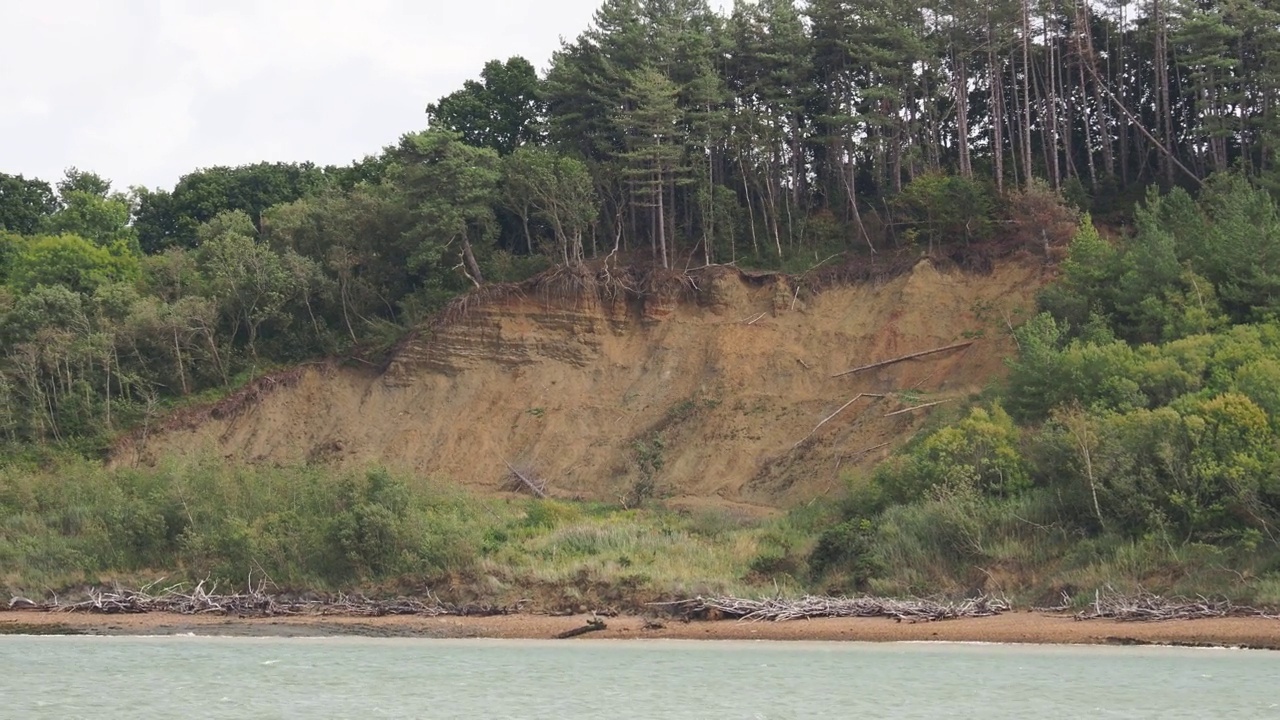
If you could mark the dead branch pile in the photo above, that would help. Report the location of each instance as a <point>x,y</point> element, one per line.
<point>524,479</point>
<point>255,602</point>
<point>1148,607</point>
<point>777,610</point>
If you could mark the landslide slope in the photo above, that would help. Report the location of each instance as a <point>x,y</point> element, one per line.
<point>712,393</point>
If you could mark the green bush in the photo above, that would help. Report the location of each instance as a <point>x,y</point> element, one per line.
<point>979,452</point>
<point>939,208</point>
<point>846,548</point>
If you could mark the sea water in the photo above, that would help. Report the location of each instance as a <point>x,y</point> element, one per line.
<point>210,677</point>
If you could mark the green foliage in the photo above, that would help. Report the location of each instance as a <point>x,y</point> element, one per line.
<point>252,283</point>
<point>10,246</point>
<point>170,219</point>
<point>979,452</point>
<point>1149,421</point>
<point>450,190</point>
<point>503,111</point>
<point>69,261</point>
<point>846,547</point>
<point>66,522</point>
<point>650,458</point>
<point>554,191</point>
<point>90,210</point>
<point>941,208</point>
<point>25,205</point>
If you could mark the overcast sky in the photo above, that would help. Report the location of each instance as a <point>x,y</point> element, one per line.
<point>143,91</point>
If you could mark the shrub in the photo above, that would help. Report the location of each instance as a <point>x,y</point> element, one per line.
<point>979,452</point>
<point>942,208</point>
<point>846,548</point>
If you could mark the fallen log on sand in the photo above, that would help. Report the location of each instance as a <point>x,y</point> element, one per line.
<point>593,625</point>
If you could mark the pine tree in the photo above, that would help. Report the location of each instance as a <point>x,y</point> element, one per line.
<point>654,154</point>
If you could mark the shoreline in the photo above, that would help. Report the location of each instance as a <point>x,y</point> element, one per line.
<point>1008,628</point>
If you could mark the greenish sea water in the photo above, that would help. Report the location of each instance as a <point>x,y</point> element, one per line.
<point>202,677</point>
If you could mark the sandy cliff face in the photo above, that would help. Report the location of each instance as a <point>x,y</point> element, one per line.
<point>707,393</point>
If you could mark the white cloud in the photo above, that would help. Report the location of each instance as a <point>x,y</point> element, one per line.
<point>143,91</point>
<point>33,107</point>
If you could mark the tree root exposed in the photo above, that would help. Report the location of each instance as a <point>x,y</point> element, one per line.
<point>777,610</point>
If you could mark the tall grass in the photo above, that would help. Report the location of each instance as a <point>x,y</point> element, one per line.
<point>964,543</point>
<point>68,522</point>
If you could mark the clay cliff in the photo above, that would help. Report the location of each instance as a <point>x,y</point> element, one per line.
<point>705,392</point>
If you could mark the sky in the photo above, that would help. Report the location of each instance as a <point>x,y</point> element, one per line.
<point>144,91</point>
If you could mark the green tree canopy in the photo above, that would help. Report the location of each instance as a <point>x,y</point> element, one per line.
<point>70,261</point>
<point>25,204</point>
<point>502,111</point>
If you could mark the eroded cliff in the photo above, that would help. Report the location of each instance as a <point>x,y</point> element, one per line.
<point>706,393</point>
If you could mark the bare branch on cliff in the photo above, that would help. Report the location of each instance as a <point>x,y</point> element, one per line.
<point>832,416</point>
<point>913,408</point>
<point>904,358</point>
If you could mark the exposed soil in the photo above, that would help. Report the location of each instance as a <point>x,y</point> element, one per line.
<point>1022,627</point>
<point>707,388</point>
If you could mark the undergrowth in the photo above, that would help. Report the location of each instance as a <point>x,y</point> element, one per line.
<point>68,523</point>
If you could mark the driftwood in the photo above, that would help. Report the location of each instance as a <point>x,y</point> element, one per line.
<point>254,602</point>
<point>525,479</point>
<point>777,610</point>
<point>832,416</point>
<point>593,625</point>
<point>903,411</point>
<point>1147,607</point>
<point>904,358</point>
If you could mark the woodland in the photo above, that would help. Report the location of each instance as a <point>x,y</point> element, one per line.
<point>1131,144</point>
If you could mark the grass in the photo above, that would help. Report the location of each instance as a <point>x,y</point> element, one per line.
<point>67,523</point>
<point>1022,549</point>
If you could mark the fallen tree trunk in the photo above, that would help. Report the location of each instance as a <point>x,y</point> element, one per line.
<point>904,358</point>
<point>832,415</point>
<point>527,481</point>
<point>913,408</point>
<point>593,625</point>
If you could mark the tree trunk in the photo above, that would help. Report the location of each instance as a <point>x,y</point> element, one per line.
<point>1026,92</point>
<point>1161,61</point>
<point>473,267</point>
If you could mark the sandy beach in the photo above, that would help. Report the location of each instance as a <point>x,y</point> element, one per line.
<point>1016,627</point>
